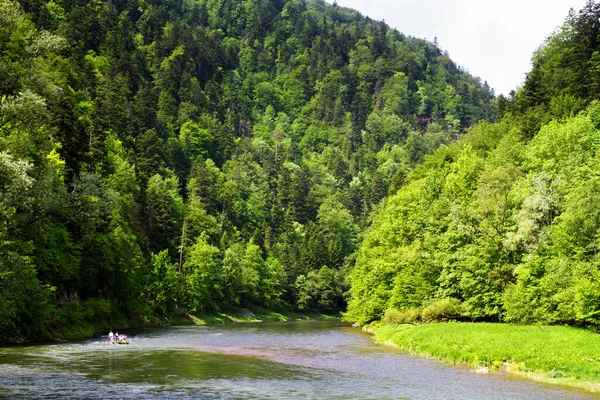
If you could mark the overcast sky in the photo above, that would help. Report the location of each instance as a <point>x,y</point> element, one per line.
<point>491,39</point>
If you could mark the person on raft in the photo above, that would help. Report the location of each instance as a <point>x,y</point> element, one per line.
<point>116,338</point>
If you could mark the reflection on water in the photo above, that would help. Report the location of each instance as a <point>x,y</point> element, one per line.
<point>318,360</point>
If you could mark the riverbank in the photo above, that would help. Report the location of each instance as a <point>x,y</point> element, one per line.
<point>552,354</point>
<point>245,315</point>
<point>82,328</point>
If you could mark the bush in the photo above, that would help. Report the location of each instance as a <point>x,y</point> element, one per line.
<point>443,308</point>
<point>396,317</point>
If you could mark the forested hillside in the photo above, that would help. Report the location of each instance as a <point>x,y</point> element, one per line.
<point>158,157</point>
<point>504,224</point>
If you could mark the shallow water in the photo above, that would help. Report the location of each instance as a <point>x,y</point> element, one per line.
<point>303,359</point>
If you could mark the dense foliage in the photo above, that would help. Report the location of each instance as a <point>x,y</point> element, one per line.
<point>504,224</point>
<point>159,156</point>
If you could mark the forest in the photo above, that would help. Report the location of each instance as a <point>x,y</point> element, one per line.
<point>502,225</point>
<point>160,158</point>
<point>172,157</point>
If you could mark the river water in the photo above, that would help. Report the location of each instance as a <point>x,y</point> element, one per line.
<point>299,360</point>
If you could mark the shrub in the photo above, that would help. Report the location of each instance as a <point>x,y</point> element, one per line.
<point>396,317</point>
<point>443,308</point>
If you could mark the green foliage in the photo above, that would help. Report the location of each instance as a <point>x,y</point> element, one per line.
<point>164,158</point>
<point>503,222</point>
<point>442,308</point>
<point>397,317</point>
<point>203,276</point>
<point>23,299</point>
<point>319,289</point>
<point>166,287</point>
<point>164,211</point>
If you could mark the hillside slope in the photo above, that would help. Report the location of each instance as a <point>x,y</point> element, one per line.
<point>160,156</point>
<point>502,225</point>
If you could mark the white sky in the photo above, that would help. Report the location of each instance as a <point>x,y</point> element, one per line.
<point>491,39</point>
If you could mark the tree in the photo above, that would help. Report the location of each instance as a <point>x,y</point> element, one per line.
<point>167,284</point>
<point>203,276</point>
<point>164,210</point>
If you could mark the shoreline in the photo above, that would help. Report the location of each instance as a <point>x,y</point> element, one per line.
<point>86,330</point>
<point>448,342</point>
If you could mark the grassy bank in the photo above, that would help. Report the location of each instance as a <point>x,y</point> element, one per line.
<point>75,325</point>
<point>243,315</point>
<point>553,354</point>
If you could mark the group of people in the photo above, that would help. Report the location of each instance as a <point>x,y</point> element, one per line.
<point>115,337</point>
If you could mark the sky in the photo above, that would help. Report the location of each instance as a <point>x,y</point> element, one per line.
<point>493,40</point>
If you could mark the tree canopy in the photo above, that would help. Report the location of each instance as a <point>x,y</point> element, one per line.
<point>502,224</point>
<point>160,156</point>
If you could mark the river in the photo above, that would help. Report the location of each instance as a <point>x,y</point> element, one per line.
<point>299,360</point>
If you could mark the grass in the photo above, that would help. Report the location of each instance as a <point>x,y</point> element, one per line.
<point>243,315</point>
<point>554,354</point>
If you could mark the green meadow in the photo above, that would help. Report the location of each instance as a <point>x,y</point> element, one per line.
<point>554,354</point>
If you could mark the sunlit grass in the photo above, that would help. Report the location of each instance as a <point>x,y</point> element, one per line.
<point>242,315</point>
<point>557,354</point>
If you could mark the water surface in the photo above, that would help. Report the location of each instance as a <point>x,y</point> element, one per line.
<point>302,359</point>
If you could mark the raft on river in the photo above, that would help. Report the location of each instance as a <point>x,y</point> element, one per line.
<point>119,342</point>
